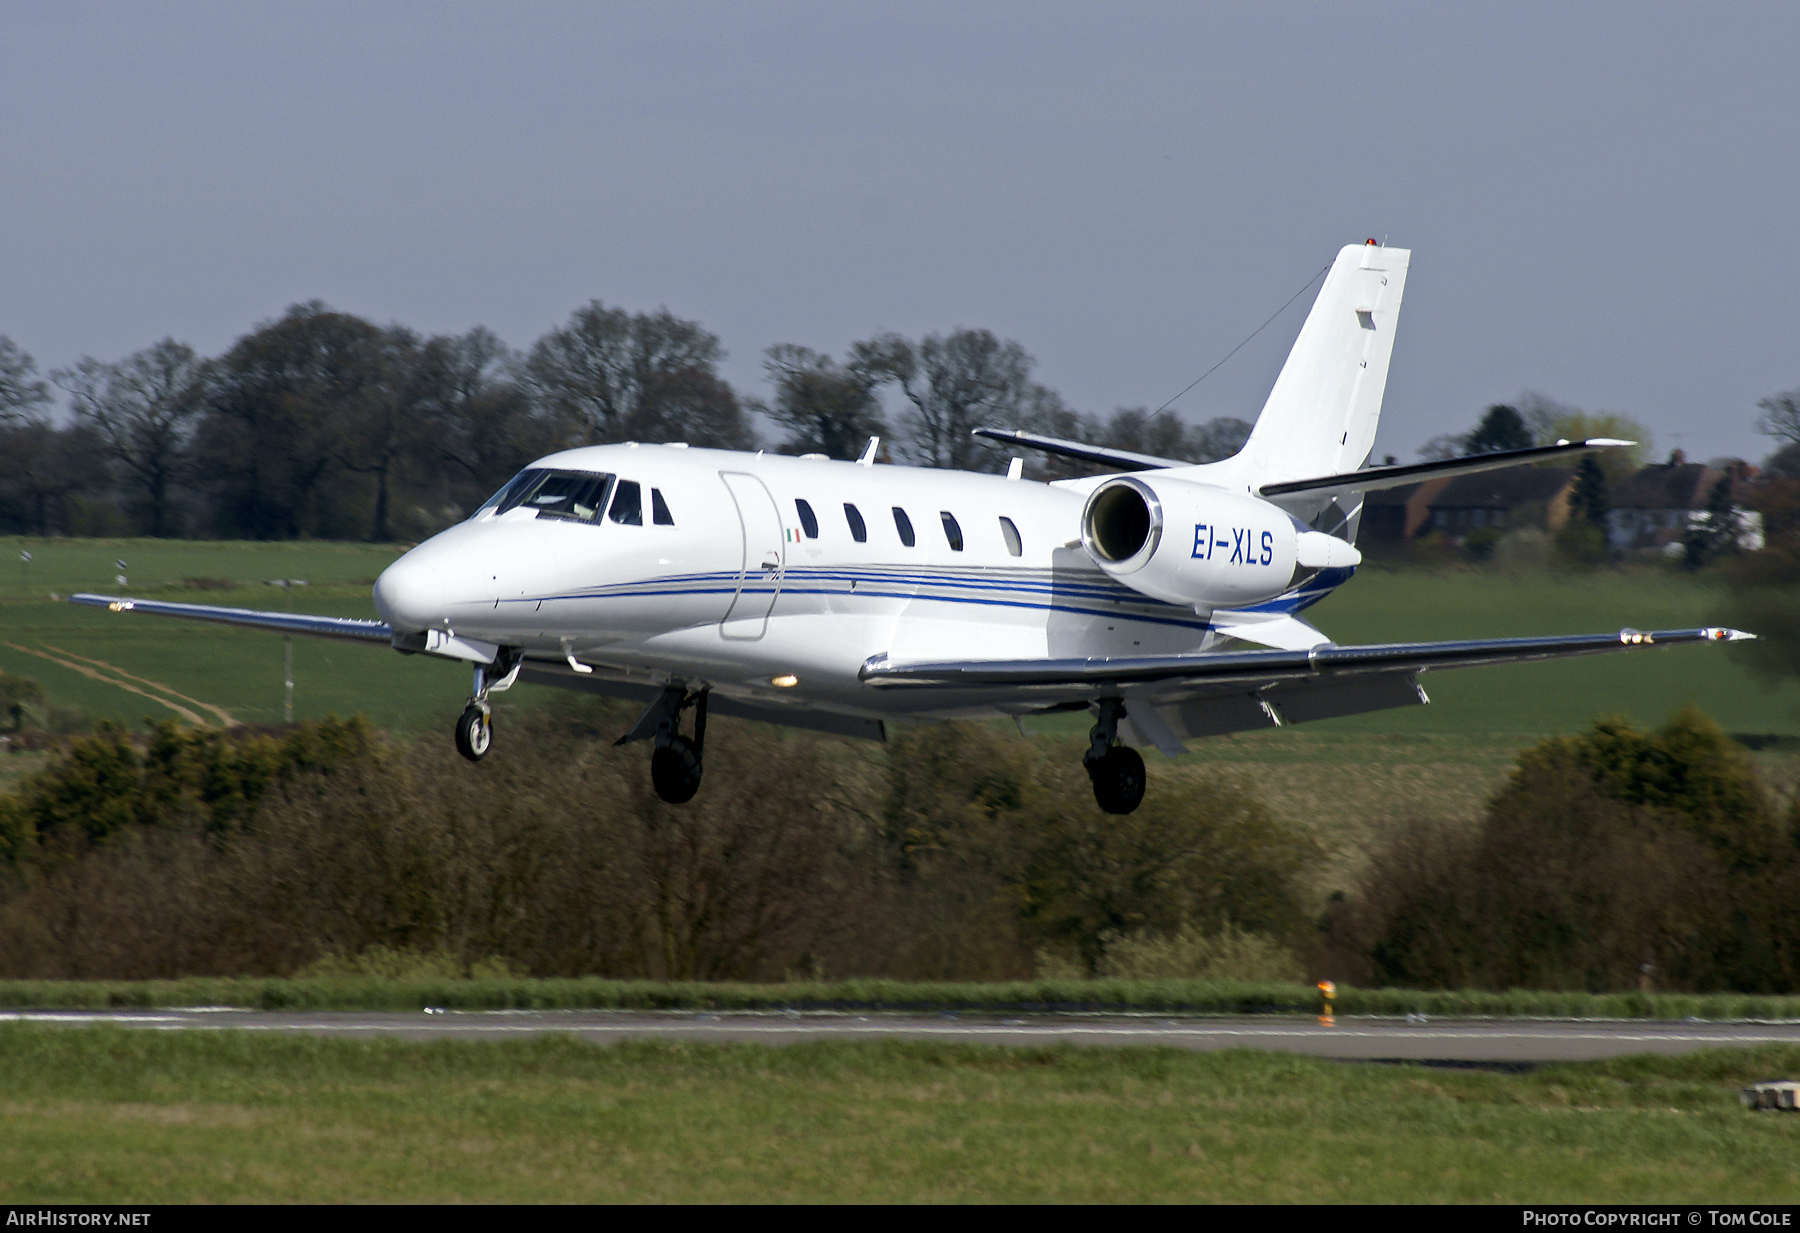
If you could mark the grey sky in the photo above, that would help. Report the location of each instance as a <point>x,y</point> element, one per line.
<point>1600,198</point>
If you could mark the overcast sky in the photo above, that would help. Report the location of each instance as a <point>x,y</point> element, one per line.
<point>1601,199</point>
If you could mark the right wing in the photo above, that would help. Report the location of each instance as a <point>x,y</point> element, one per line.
<point>1266,667</point>
<point>437,642</point>
<point>343,628</point>
<point>1172,698</point>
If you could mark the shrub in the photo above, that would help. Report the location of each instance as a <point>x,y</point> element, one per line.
<point>1190,953</point>
<point>1603,853</point>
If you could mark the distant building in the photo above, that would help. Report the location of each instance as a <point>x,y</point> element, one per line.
<point>1392,516</point>
<point>1655,508</point>
<point>1502,500</point>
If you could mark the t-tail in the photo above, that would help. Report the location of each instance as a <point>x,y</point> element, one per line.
<point>1321,416</point>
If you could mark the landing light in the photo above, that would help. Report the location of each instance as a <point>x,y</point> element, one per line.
<point>786,680</point>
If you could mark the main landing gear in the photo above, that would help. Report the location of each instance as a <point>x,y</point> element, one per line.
<point>475,726</point>
<point>675,761</point>
<point>1116,770</point>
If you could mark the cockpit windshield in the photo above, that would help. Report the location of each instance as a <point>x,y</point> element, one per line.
<point>576,495</point>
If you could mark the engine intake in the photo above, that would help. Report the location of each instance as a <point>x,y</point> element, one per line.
<point>1241,550</point>
<point>1122,522</point>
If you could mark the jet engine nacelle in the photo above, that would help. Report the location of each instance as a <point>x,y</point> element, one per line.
<point>1192,544</point>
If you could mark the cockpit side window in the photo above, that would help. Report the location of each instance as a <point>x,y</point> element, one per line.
<point>628,504</point>
<point>576,495</point>
<point>858,530</point>
<point>512,493</point>
<point>903,524</point>
<point>660,509</point>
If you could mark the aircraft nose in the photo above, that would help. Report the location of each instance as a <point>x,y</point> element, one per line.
<point>409,595</point>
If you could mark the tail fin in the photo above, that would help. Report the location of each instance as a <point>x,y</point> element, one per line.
<point>1320,418</point>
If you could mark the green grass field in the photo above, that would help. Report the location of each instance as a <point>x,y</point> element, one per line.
<point>190,667</point>
<point>105,1115</point>
<point>416,982</point>
<point>240,671</point>
<point>1406,605</point>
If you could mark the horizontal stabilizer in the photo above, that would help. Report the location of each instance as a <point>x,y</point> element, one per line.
<point>1371,478</point>
<point>1123,459</point>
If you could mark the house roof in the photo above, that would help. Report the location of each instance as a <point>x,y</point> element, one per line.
<point>1503,489</point>
<point>1682,485</point>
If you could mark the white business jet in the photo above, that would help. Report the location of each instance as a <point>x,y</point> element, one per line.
<point>842,596</point>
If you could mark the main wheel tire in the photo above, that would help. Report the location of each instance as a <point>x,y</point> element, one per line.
<point>1119,779</point>
<point>474,734</point>
<point>675,771</point>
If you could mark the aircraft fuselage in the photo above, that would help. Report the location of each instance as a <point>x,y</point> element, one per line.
<point>741,570</point>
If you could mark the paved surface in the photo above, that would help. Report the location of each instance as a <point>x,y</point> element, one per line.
<point>1477,1041</point>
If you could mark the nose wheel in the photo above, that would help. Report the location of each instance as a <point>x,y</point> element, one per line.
<point>474,732</point>
<point>475,726</point>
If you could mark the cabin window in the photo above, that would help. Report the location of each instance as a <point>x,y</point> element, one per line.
<point>809,521</point>
<point>628,505</point>
<point>853,516</point>
<point>952,532</point>
<point>660,509</point>
<point>576,495</point>
<point>903,524</point>
<point>1011,534</point>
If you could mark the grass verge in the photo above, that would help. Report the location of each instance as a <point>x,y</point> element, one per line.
<point>102,1115</point>
<point>1191,996</point>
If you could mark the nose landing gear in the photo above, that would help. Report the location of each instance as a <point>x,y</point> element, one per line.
<point>1117,771</point>
<point>475,726</point>
<point>675,762</point>
<point>475,732</point>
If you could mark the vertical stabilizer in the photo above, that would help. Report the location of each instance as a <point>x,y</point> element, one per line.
<point>1320,418</point>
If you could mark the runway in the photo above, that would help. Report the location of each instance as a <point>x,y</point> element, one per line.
<point>1466,1041</point>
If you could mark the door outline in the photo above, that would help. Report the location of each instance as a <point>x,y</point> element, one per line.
<point>764,556</point>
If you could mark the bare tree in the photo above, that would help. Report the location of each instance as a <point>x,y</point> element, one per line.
<point>143,410</point>
<point>51,480</point>
<point>827,407</point>
<point>613,375</point>
<point>1220,437</point>
<point>1165,436</point>
<point>955,383</point>
<point>387,430</point>
<point>22,396</point>
<point>1781,416</point>
<point>485,424</point>
<point>279,407</point>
